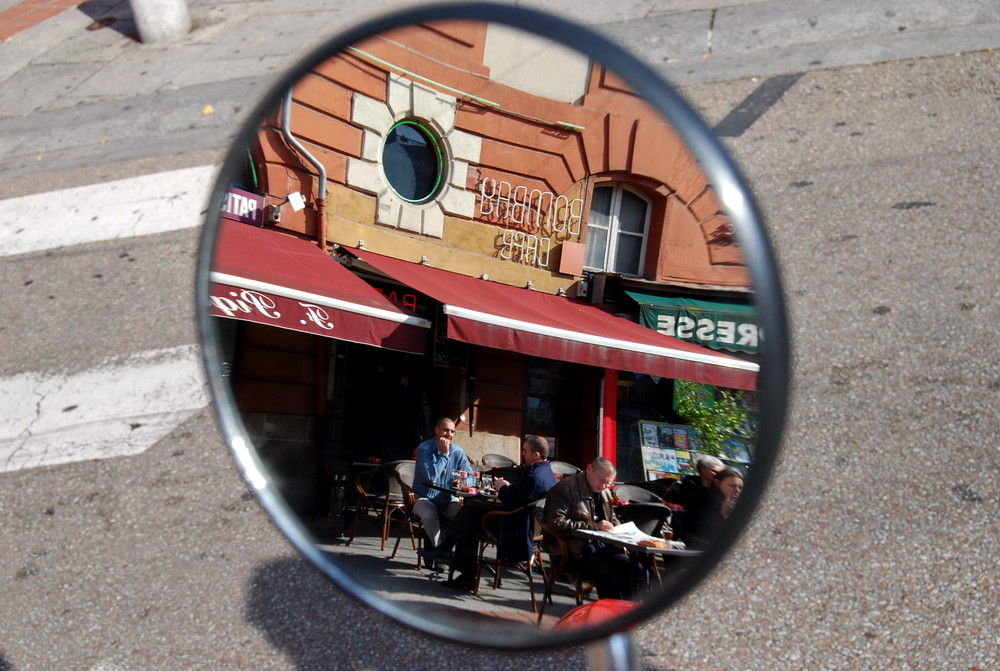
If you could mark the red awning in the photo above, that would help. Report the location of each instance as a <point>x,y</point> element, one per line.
<point>270,278</point>
<point>497,315</point>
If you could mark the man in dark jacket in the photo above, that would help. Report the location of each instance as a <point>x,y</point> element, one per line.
<point>584,501</point>
<point>694,493</point>
<point>535,478</point>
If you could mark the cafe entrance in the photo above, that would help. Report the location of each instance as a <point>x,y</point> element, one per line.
<point>562,403</point>
<point>384,399</point>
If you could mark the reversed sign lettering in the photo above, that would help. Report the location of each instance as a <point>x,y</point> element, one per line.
<point>532,219</point>
<point>240,205</point>
<point>532,210</point>
<point>524,248</point>
<point>264,308</point>
<point>722,334</point>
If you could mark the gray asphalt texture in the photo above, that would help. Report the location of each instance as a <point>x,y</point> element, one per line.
<point>877,545</point>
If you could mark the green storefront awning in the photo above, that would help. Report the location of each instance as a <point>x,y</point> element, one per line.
<point>721,326</point>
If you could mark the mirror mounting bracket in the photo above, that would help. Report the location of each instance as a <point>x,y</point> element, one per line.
<point>614,653</point>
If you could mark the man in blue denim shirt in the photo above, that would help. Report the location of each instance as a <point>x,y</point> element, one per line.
<point>437,459</point>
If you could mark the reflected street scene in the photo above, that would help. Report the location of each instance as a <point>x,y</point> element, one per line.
<point>488,327</point>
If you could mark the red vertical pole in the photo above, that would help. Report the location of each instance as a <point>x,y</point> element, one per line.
<point>609,422</point>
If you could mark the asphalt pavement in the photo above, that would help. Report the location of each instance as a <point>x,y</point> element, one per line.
<point>868,130</point>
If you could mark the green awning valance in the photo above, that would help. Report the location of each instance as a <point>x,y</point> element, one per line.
<point>722,326</point>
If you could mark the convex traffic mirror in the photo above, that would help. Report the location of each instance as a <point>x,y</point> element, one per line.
<point>491,215</point>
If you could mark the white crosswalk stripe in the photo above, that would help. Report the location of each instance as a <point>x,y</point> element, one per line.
<point>123,208</point>
<point>125,405</point>
<point>120,408</point>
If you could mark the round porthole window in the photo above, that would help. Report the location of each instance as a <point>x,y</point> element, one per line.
<point>412,161</point>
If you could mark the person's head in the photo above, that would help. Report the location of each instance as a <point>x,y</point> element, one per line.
<point>445,428</point>
<point>534,448</point>
<point>601,474</point>
<point>729,483</point>
<point>708,467</point>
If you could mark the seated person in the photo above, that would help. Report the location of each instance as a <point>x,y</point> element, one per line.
<point>535,479</point>
<point>693,493</point>
<point>722,501</point>
<point>583,501</point>
<point>437,458</point>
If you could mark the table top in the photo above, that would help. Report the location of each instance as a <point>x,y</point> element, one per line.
<point>464,494</point>
<point>630,539</point>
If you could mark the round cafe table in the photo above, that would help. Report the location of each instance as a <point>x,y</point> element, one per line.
<point>464,494</point>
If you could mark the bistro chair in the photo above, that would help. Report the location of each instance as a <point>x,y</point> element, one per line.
<point>512,534</point>
<point>390,502</point>
<point>649,518</point>
<point>497,461</point>
<point>497,465</point>
<point>403,475</point>
<point>558,552</point>
<point>635,494</point>
<point>377,491</point>
<point>537,511</point>
<point>335,487</point>
<point>646,510</point>
<point>562,469</point>
<point>366,498</point>
<point>642,507</point>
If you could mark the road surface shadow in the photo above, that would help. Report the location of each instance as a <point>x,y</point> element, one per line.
<point>319,627</point>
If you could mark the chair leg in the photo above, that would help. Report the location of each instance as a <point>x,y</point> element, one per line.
<point>479,567</point>
<point>390,514</point>
<point>582,592</point>
<point>531,587</point>
<point>546,598</point>
<point>496,571</point>
<point>361,508</point>
<point>386,523</point>
<point>418,545</point>
<point>550,581</point>
<point>395,548</point>
<point>354,527</point>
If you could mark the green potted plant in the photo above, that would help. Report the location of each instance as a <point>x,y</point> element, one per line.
<point>717,417</point>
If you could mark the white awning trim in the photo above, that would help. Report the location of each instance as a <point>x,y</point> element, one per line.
<point>318,299</point>
<point>601,341</point>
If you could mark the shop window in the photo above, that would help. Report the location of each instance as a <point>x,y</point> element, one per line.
<point>562,403</point>
<point>545,379</point>
<point>616,230</point>
<point>412,161</point>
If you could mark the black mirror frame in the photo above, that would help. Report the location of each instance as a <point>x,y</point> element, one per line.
<point>738,202</point>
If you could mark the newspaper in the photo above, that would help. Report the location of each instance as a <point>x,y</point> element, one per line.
<point>630,533</point>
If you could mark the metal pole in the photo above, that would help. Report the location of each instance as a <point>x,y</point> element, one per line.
<point>286,129</point>
<point>615,653</point>
<point>161,21</point>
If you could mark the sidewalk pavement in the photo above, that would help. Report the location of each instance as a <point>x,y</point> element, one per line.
<point>78,90</point>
